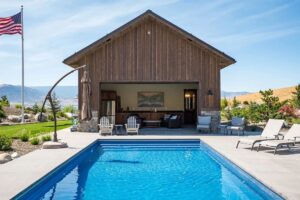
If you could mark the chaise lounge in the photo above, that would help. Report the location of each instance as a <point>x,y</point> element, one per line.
<point>290,139</point>
<point>270,132</point>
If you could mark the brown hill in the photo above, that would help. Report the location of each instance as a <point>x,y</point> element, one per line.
<point>282,93</point>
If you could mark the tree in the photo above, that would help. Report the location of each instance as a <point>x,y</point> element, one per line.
<point>56,103</point>
<point>69,109</point>
<point>36,109</point>
<point>2,113</point>
<point>224,103</point>
<point>4,101</point>
<point>296,97</point>
<point>270,106</point>
<point>235,102</point>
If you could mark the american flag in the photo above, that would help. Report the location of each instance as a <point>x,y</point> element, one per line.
<point>11,25</point>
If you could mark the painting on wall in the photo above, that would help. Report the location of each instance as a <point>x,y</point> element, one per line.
<point>150,99</point>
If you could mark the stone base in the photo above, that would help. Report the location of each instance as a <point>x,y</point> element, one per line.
<point>54,145</point>
<point>88,126</point>
<point>215,119</point>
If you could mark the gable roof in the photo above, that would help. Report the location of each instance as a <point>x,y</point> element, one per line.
<point>77,55</point>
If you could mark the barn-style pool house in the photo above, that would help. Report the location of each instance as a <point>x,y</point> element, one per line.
<point>152,69</point>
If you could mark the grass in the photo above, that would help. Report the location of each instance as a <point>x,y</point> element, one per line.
<point>33,130</point>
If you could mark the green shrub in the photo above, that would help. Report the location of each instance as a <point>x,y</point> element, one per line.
<point>50,117</point>
<point>296,121</point>
<point>46,138</point>
<point>35,141</point>
<point>5,143</point>
<point>24,137</point>
<point>18,106</point>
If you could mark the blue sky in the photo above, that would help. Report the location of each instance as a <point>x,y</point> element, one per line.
<point>262,35</point>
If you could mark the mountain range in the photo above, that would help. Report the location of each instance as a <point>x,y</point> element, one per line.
<point>66,94</point>
<point>36,94</point>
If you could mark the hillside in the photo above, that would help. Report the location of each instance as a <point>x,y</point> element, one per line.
<point>282,93</point>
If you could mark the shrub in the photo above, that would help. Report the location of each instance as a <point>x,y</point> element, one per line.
<point>46,138</point>
<point>18,106</point>
<point>296,97</point>
<point>296,121</point>
<point>287,112</point>
<point>24,137</point>
<point>35,141</point>
<point>50,117</point>
<point>69,109</point>
<point>5,143</point>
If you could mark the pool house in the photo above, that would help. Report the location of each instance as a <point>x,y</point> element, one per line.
<point>152,69</point>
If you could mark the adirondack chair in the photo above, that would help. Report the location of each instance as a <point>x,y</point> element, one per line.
<point>132,126</point>
<point>105,127</point>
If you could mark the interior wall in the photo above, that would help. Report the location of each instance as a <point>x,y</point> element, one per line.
<point>173,94</point>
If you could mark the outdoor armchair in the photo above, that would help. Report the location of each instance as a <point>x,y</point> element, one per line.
<point>132,126</point>
<point>105,127</point>
<point>204,123</point>
<point>237,124</point>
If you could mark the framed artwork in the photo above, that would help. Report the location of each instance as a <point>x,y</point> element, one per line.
<point>150,99</point>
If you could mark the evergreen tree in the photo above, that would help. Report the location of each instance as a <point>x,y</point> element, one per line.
<point>235,102</point>
<point>36,109</point>
<point>2,113</point>
<point>4,101</point>
<point>296,97</point>
<point>56,103</point>
<point>270,106</point>
<point>224,103</point>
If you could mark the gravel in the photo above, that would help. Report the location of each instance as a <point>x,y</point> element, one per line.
<point>22,148</point>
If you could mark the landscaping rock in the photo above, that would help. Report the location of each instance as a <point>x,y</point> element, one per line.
<point>5,157</point>
<point>14,118</point>
<point>54,145</point>
<point>43,117</point>
<point>14,155</point>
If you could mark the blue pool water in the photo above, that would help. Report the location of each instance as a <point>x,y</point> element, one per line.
<point>148,170</point>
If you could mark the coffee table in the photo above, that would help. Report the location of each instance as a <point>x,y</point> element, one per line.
<point>152,123</point>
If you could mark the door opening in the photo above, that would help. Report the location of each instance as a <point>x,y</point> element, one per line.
<point>190,106</point>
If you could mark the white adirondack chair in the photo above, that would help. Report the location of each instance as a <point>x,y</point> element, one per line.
<point>132,126</point>
<point>105,126</point>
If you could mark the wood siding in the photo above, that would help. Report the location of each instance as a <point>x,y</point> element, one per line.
<point>161,56</point>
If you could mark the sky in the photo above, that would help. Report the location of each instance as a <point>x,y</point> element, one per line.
<point>262,35</point>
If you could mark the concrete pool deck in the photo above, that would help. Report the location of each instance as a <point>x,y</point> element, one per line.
<point>279,172</point>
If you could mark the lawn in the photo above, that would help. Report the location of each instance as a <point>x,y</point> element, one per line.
<point>15,131</point>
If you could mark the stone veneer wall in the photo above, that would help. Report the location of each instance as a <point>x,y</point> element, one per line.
<point>215,119</point>
<point>89,125</point>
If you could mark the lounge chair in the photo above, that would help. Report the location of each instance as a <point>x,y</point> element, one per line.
<point>204,122</point>
<point>270,132</point>
<point>105,126</point>
<point>132,126</point>
<point>237,124</point>
<point>290,139</point>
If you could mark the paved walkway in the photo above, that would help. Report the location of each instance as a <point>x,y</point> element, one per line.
<point>279,172</point>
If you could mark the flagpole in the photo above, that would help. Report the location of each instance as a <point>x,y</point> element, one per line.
<point>22,89</point>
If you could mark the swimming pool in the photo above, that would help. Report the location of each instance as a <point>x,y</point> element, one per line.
<point>148,169</point>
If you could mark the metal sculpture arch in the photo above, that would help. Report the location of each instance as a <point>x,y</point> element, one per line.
<point>49,98</point>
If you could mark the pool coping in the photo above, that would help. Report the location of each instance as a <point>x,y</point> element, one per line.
<point>251,181</point>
